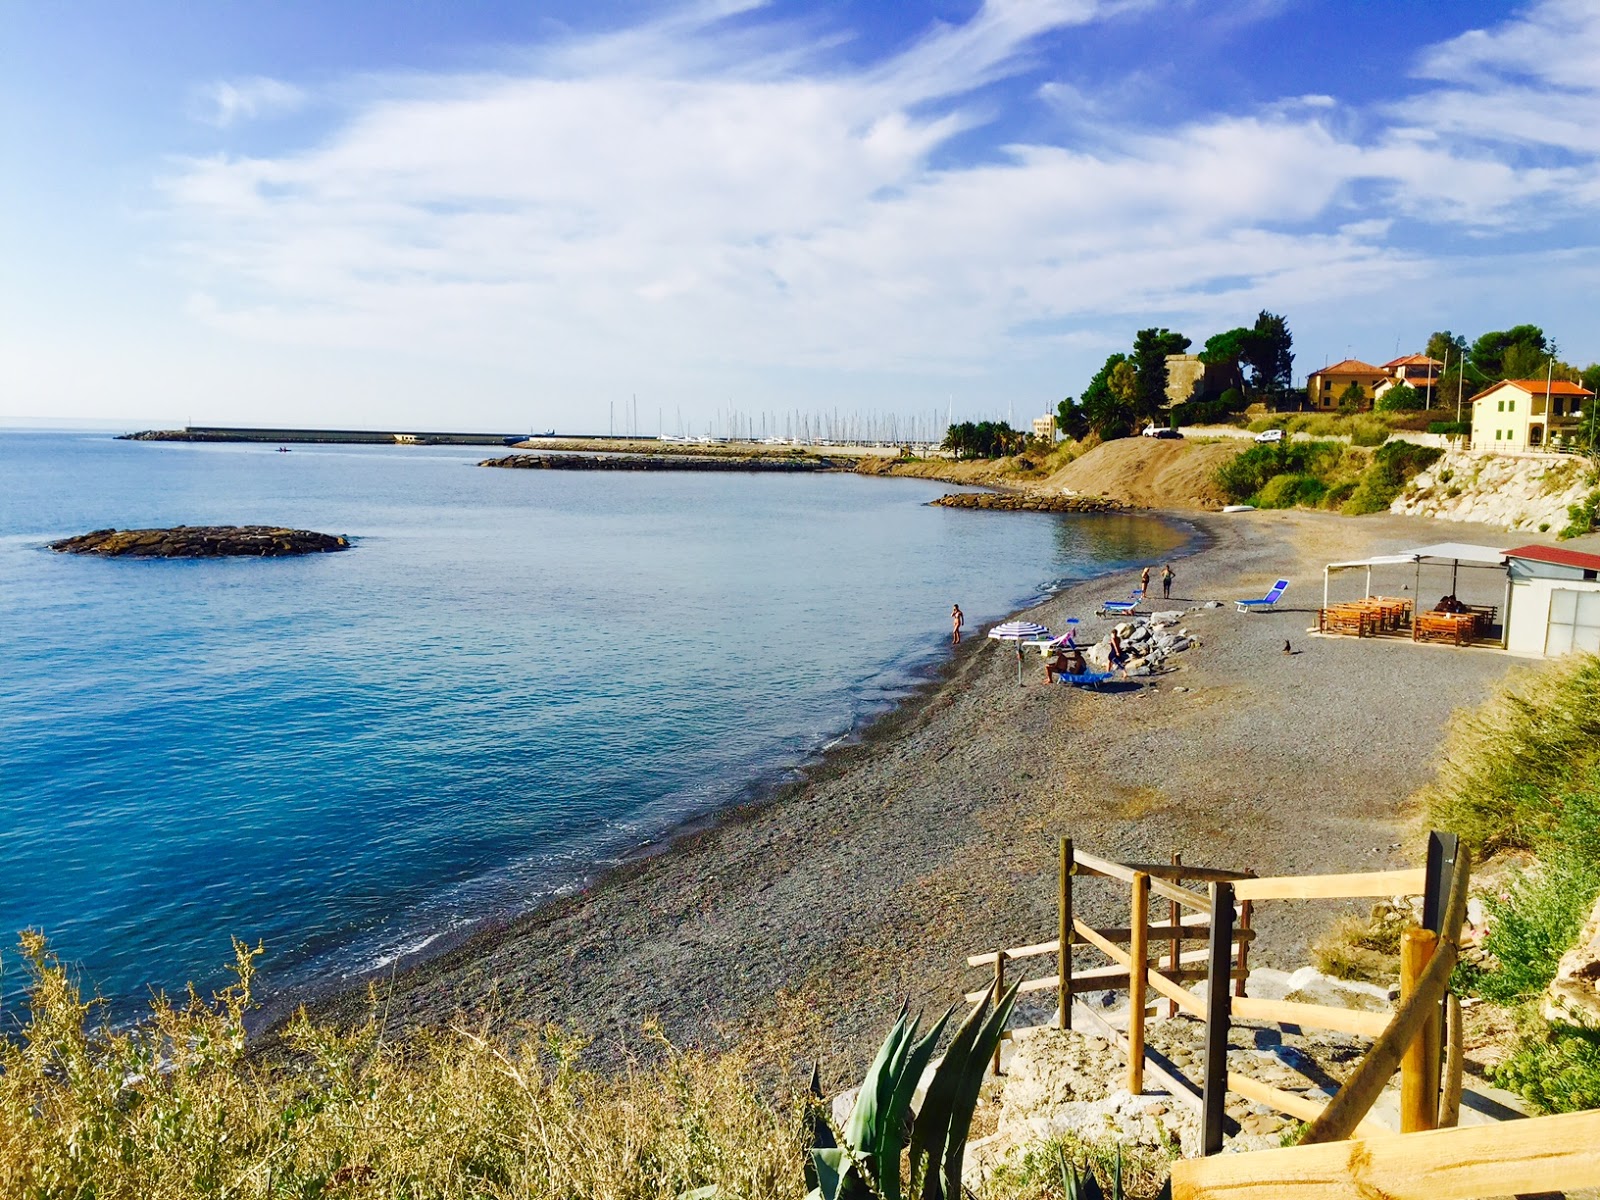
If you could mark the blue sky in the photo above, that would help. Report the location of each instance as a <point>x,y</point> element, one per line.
<point>492,215</point>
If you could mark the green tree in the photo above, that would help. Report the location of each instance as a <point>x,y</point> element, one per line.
<point>1070,419</point>
<point>1488,354</point>
<point>1352,399</point>
<point>1446,347</point>
<point>1124,383</point>
<point>1103,412</point>
<point>1401,398</point>
<point>1227,348</point>
<point>1150,350</point>
<point>1269,354</point>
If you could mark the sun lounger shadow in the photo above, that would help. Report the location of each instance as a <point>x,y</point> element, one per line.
<point>1270,600</point>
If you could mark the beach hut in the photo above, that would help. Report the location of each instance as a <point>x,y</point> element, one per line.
<point>1553,601</point>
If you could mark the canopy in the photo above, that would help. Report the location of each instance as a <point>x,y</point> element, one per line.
<point>1454,555</point>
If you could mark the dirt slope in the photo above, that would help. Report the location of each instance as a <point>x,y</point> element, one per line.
<point>1148,471</point>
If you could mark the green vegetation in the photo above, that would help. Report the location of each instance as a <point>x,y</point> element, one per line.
<point>173,1110</point>
<point>1402,398</point>
<point>1523,771</point>
<point>1583,517</point>
<point>984,439</point>
<point>867,1165</point>
<point>1070,1168</point>
<point>1322,474</point>
<point>1393,465</point>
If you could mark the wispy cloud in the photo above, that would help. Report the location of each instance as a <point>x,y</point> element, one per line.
<point>225,102</point>
<point>709,189</point>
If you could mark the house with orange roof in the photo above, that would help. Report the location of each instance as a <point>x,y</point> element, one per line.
<point>1415,370</point>
<point>1528,414</point>
<point>1324,387</point>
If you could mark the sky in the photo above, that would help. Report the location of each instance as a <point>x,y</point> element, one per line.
<point>476,215</point>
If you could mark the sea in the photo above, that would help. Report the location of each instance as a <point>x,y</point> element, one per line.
<point>514,680</point>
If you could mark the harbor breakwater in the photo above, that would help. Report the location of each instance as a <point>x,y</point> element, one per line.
<point>1031,502</point>
<point>788,464</point>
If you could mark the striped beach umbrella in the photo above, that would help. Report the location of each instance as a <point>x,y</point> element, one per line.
<point>1018,632</point>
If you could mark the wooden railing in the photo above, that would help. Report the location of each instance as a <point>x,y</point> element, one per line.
<point>1410,1039</point>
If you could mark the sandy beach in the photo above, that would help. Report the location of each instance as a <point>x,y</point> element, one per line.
<point>803,920</point>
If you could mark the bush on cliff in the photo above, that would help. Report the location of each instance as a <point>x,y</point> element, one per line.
<point>1394,464</point>
<point>1243,477</point>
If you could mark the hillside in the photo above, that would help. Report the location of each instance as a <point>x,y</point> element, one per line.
<point>1146,472</point>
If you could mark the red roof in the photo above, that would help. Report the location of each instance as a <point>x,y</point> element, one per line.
<point>1556,556</point>
<point>1413,360</point>
<point>1351,366</point>
<point>1536,387</point>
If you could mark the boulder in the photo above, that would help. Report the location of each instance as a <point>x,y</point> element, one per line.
<point>1574,994</point>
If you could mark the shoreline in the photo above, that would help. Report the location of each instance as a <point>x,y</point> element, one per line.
<point>781,783</point>
<point>798,921</point>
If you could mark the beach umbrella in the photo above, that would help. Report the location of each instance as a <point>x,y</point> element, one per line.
<point>1018,632</point>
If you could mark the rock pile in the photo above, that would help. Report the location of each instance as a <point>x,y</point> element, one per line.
<point>1574,994</point>
<point>1030,502</point>
<point>663,462</point>
<point>1149,642</point>
<point>202,541</point>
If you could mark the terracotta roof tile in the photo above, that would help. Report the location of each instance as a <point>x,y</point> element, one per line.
<point>1350,366</point>
<point>1537,387</point>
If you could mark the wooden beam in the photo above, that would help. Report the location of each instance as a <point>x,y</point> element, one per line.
<point>1218,1016</point>
<point>1064,940</point>
<point>1177,873</point>
<point>1187,931</point>
<point>1361,1090</point>
<point>1419,1065</point>
<point>1333,887</point>
<point>1178,1087</point>
<point>1313,1016</point>
<point>1187,1000</point>
<point>1099,979</point>
<point>1138,979</point>
<point>1454,1062</point>
<point>1302,1108</point>
<point>1541,1154</point>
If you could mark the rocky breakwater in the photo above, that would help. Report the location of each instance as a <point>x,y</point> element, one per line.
<point>1030,502</point>
<point>1526,493</point>
<point>660,462</point>
<point>202,541</point>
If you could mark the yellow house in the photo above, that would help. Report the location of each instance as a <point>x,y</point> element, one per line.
<point>1527,414</point>
<point>1324,387</point>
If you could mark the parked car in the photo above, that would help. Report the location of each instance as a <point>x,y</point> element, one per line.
<point>1270,435</point>
<point>1158,431</point>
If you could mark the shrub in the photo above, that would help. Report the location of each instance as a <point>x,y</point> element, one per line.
<point>1582,517</point>
<point>1507,763</point>
<point>1367,432</point>
<point>1245,475</point>
<point>1338,494</point>
<point>1287,491</point>
<point>1450,428</point>
<point>1558,1069</point>
<point>1392,468</point>
<point>1401,398</point>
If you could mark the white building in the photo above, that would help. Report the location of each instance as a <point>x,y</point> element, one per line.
<point>1553,601</point>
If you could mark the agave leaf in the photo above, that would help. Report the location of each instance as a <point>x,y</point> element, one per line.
<point>929,1135</point>
<point>1091,1184</point>
<point>913,1062</point>
<point>838,1175</point>
<point>821,1132</point>
<point>965,1099</point>
<point>876,1091</point>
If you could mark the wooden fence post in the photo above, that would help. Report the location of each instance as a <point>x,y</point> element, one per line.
<point>1455,1060</point>
<point>1439,869</point>
<point>1419,1065</point>
<point>1064,945</point>
<point>1138,982</point>
<point>1175,916</point>
<point>1219,1013</point>
<point>999,991</point>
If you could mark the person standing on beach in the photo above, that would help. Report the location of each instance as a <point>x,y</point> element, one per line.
<point>1144,581</point>
<point>956,620</point>
<point>1166,581</point>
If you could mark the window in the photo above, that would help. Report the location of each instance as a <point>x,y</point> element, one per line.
<point>1511,406</point>
<point>1502,407</point>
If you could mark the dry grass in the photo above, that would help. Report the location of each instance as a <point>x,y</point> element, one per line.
<point>172,1108</point>
<point>1354,948</point>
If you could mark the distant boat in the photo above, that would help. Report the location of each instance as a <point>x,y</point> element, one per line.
<point>283,449</point>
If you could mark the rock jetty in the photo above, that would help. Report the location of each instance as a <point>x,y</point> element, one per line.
<point>1030,502</point>
<point>661,462</point>
<point>202,541</point>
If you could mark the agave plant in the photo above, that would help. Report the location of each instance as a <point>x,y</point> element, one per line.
<point>1086,1187</point>
<point>882,1124</point>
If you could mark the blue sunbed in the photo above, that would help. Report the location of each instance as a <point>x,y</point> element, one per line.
<point>1087,679</point>
<point>1267,601</point>
<point>1122,608</point>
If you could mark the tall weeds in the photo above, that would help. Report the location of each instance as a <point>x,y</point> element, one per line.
<point>173,1108</point>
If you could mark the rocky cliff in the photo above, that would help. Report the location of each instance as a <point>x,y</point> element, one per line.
<point>202,541</point>
<point>1519,493</point>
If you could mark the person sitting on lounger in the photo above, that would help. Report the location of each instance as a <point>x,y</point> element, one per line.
<point>1068,661</point>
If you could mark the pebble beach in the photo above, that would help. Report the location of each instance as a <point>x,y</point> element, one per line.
<point>801,921</point>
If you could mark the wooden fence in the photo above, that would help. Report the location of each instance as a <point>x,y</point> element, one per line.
<point>1410,1039</point>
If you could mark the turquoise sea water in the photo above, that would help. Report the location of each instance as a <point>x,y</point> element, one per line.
<point>513,679</point>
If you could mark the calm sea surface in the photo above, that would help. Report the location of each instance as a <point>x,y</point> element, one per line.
<point>514,678</point>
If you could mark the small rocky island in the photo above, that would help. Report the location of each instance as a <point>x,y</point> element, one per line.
<point>202,541</point>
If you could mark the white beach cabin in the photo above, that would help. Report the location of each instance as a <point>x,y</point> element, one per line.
<point>1553,601</point>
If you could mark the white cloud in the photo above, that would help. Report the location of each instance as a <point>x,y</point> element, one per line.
<point>689,197</point>
<point>225,102</point>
